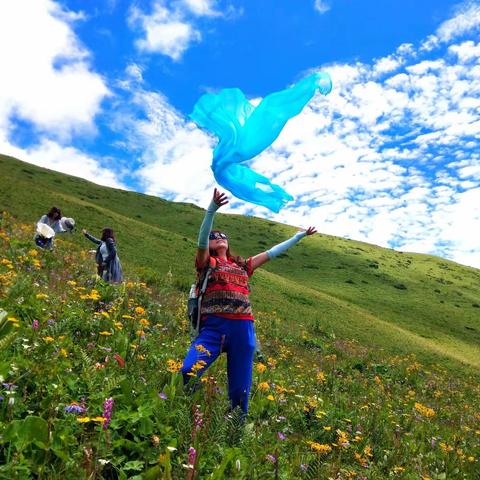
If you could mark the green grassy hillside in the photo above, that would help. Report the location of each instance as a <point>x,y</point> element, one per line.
<point>325,287</point>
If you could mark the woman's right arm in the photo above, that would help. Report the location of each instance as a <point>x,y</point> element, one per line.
<point>219,199</point>
<point>91,237</point>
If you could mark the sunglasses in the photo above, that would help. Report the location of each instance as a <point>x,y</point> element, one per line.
<point>217,235</point>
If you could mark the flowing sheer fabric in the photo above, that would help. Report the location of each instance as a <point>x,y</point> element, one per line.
<point>244,131</point>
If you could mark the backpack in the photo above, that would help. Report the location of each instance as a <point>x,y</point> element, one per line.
<point>195,297</point>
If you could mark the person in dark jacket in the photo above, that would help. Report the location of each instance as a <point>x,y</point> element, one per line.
<point>108,264</point>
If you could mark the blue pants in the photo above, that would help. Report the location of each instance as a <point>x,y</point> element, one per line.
<point>237,339</point>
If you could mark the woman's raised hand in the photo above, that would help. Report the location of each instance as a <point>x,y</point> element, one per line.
<point>219,198</point>
<point>84,231</point>
<point>311,230</point>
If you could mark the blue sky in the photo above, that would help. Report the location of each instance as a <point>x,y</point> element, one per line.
<point>103,90</point>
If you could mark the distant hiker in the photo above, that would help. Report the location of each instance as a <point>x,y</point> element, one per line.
<point>108,263</point>
<point>50,224</point>
<point>226,312</point>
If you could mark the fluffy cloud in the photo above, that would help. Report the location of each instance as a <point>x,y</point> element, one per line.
<point>465,21</point>
<point>165,32</point>
<point>47,82</point>
<point>321,6</point>
<point>50,154</point>
<point>46,79</point>
<point>171,27</point>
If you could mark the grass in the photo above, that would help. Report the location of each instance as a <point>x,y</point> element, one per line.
<point>322,406</point>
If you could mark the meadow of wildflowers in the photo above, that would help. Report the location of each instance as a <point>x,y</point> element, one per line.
<point>89,388</point>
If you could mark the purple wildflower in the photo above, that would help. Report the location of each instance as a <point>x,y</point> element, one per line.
<point>107,412</point>
<point>35,325</point>
<point>1,398</point>
<point>163,395</point>
<point>9,386</point>
<point>281,436</point>
<point>197,419</point>
<point>51,321</point>
<point>271,458</point>
<point>192,455</point>
<point>74,407</point>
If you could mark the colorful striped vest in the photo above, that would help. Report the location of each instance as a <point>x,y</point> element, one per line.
<point>228,290</point>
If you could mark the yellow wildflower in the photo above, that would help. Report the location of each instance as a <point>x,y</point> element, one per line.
<point>83,419</point>
<point>63,353</point>
<point>105,314</point>
<point>139,310</point>
<point>98,419</point>
<point>196,368</point>
<point>173,366</point>
<point>32,253</point>
<point>321,377</point>
<point>445,447</point>
<point>260,367</point>
<point>48,339</point>
<point>319,447</point>
<point>342,439</point>
<point>271,362</point>
<point>201,348</point>
<point>144,322</point>
<point>40,296</point>
<point>424,411</point>
<point>105,333</point>
<point>129,317</point>
<point>263,386</point>
<point>271,398</point>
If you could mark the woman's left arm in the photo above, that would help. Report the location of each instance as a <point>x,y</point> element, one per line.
<point>261,258</point>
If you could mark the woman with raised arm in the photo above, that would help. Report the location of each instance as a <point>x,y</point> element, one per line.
<point>226,312</point>
<point>108,263</point>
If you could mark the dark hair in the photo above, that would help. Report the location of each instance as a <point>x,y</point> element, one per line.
<point>240,261</point>
<point>54,211</point>
<point>106,234</point>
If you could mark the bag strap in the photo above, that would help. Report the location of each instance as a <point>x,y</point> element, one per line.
<point>212,264</point>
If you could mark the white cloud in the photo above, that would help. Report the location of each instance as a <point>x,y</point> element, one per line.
<point>321,6</point>
<point>465,21</point>
<point>50,154</point>
<point>171,28</point>
<point>202,7</point>
<point>165,31</point>
<point>46,78</point>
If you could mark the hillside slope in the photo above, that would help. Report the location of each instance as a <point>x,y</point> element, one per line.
<point>325,286</point>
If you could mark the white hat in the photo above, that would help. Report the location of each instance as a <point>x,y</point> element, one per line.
<point>67,223</point>
<point>45,231</point>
